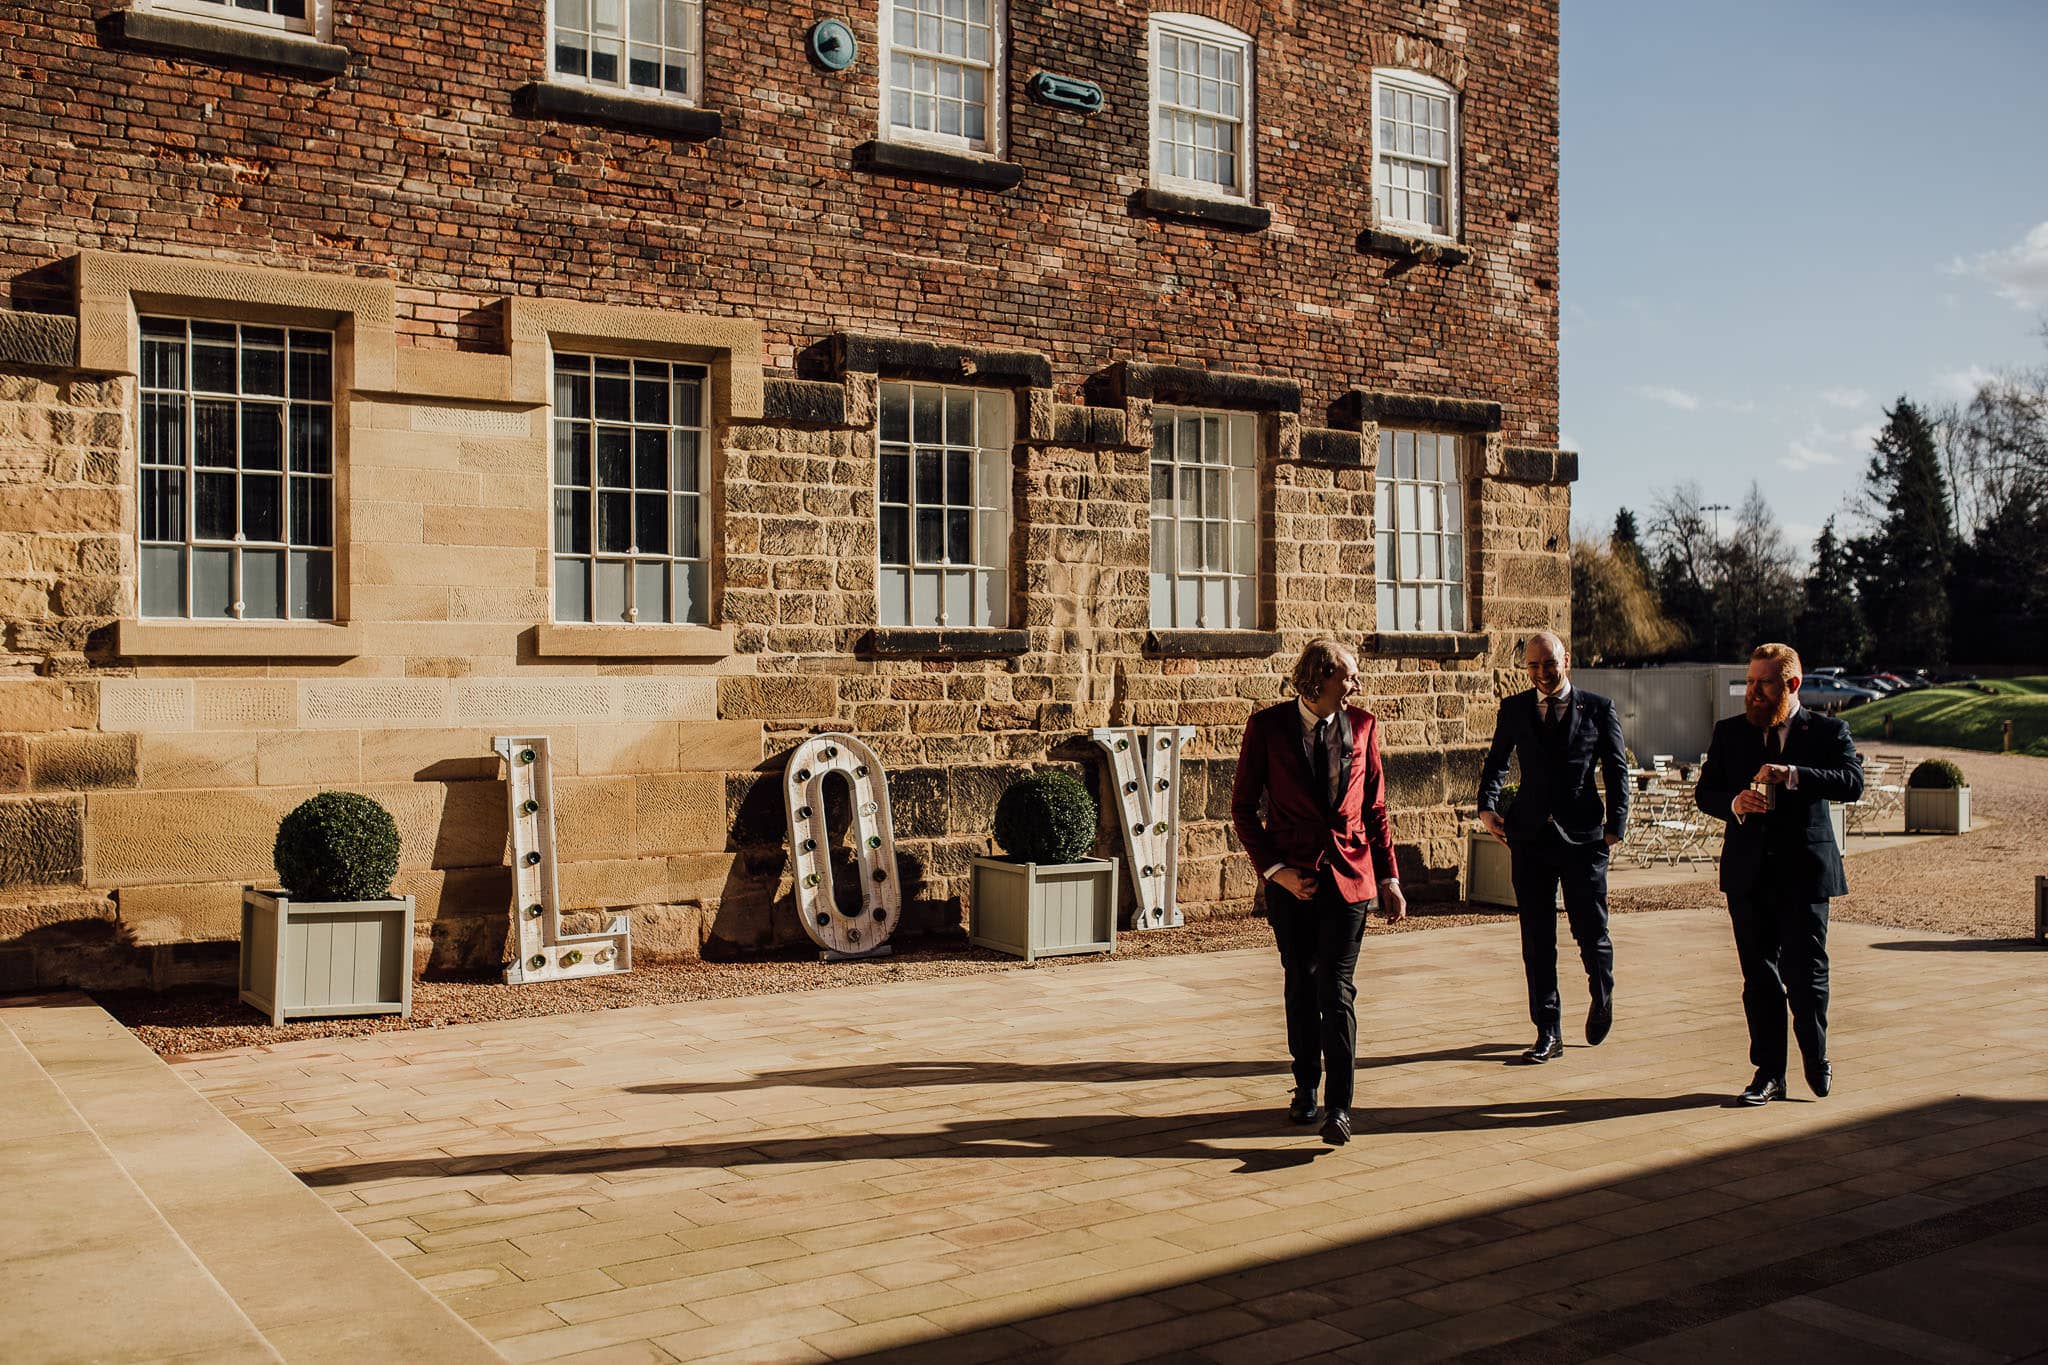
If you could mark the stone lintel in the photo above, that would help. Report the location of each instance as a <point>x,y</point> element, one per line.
<point>1213,644</point>
<point>1373,241</point>
<point>1538,464</point>
<point>803,402</point>
<point>1326,445</point>
<point>1427,644</point>
<point>1360,406</point>
<point>946,168</point>
<point>579,104</point>
<point>942,642</point>
<point>39,340</point>
<point>1180,384</point>
<point>153,30</point>
<point>936,361</point>
<point>1224,213</point>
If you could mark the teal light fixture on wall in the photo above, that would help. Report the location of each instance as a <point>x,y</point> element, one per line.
<point>831,44</point>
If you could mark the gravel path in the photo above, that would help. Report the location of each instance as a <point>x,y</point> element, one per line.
<point>1979,884</point>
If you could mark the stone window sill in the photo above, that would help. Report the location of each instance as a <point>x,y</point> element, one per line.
<point>1429,644</point>
<point>237,640</point>
<point>1359,406</point>
<point>631,642</point>
<point>944,642</point>
<point>1224,213</point>
<point>1427,250</point>
<point>155,31</point>
<point>947,168</point>
<point>1212,644</point>
<point>578,104</point>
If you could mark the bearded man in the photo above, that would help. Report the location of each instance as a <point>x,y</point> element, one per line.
<point>1770,773</point>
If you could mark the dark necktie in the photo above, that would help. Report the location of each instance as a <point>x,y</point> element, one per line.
<point>1552,708</point>
<point>1322,760</point>
<point>1774,744</point>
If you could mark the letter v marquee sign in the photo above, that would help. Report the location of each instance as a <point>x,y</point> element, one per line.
<point>1145,766</point>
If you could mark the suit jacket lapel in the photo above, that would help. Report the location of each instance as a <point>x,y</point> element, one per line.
<point>1293,736</point>
<point>1344,747</point>
<point>1571,724</point>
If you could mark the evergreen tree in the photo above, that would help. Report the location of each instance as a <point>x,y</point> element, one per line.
<point>1627,543</point>
<point>2000,595</point>
<point>1830,626</point>
<point>1902,563</point>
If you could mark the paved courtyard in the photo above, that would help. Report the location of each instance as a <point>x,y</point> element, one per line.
<point>1089,1165</point>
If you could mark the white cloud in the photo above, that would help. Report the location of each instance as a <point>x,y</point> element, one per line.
<point>1846,398</point>
<point>1800,457</point>
<point>1670,397</point>
<point>1963,383</point>
<point>2019,272</point>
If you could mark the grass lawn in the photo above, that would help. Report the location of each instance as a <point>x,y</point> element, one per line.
<point>1967,716</point>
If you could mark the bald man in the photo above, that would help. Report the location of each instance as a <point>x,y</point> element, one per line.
<point>1558,832</point>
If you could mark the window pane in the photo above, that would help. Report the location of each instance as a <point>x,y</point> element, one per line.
<point>1161,614</point>
<point>312,439</point>
<point>163,505</point>
<point>612,446</point>
<point>896,413</point>
<point>688,474</point>
<point>312,585</point>
<point>263,507</point>
<point>213,434</point>
<point>895,476</point>
<point>163,580</point>
<point>892,605</point>
<point>611,590</point>
<point>689,513</point>
<point>960,600</point>
<point>262,436</point>
<point>572,521</point>
<point>262,585</point>
<point>924,599</point>
<point>214,508</point>
<point>692,600</point>
<point>931,535</point>
<point>650,455</point>
<point>614,524</point>
<point>213,583</point>
<point>263,361</point>
<point>312,512</point>
<point>650,591</point>
<point>650,531</point>
<point>895,537</point>
<point>991,606</point>
<point>572,590</point>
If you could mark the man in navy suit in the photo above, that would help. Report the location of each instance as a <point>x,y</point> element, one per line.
<point>1558,832</point>
<point>1770,773</point>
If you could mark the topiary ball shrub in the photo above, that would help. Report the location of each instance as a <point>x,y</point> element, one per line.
<point>337,846</point>
<point>1046,818</point>
<point>1937,774</point>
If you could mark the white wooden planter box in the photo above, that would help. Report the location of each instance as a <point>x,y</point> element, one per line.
<point>1937,810</point>
<point>1489,872</point>
<point>1838,821</point>
<point>324,959</point>
<point>1043,909</point>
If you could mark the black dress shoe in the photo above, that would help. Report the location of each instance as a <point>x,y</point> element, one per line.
<point>1547,1047</point>
<point>1764,1089</point>
<point>1820,1078</point>
<point>1303,1109</point>
<point>1599,1020</point>
<point>1337,1127</point>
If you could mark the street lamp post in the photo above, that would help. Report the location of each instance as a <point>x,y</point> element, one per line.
<point>1714,605</point>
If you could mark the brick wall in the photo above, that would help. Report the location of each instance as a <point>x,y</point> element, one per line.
<point>138,790</point>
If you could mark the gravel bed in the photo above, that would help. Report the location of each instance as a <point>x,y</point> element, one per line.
<point>194,1020</point>
<point>1980,884</point>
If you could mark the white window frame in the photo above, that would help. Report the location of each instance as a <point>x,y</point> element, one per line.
<point>318,23</point>
<point>1405,528</point>
<point>1415,83</point>
<point>633,556</point>
<point>987,577</point>
<point>1198,28</point>
<point>292,409</point>
<point>996,69</point>
<point>624,88</point>
<point>1222,472</point>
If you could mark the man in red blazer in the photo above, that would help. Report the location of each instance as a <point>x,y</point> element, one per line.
<point>1310,807</point>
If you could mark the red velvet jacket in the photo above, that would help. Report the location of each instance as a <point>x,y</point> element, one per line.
<point>1353,845</point>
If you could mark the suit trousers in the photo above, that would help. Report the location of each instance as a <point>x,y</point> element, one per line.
<point>1781,939</point>
<point>1541,866</point>
<point>1318,941</point>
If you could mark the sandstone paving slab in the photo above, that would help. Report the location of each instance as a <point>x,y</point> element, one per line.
<point>1091,1163</point>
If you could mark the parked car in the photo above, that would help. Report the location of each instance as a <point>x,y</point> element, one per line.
<point>1830,694</point>
<point>1831,671</point>
<point>1901,682</point>
<point>1870,682</point>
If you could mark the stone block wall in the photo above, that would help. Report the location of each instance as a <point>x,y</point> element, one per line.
<point>144,764</point>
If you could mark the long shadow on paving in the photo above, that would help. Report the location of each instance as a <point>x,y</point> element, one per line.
<point>1963,945</point>
<point>909,1075</point>
<point>1172,1137</point>
<point>1539,1303</point>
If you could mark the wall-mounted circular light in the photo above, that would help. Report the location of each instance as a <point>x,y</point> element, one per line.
<point>831,44</point>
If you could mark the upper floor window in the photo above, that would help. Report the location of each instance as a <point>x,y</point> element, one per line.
<point>941,72</point>
<point>1420,503</point>
<point>1415,153</point>
<point>630,518</point>
<point>1205,503</point>
<point>293,16</point>
<point>945,506</point>
<point>636,47</point>
<point>1201,106</point>
<point>236,471</point>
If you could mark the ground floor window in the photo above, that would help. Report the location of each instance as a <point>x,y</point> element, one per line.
<point>235,485</point>
<point>945,506</point>
<point>1205,503</point>
<point>631,526</point>
<point>1420,503</point>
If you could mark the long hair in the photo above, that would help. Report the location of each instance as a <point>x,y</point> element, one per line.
<point>1320,658</point>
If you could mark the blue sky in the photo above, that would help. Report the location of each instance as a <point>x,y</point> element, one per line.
<point>1780,215</point>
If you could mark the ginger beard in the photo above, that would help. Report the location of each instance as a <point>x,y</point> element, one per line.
<point>1764,712</point>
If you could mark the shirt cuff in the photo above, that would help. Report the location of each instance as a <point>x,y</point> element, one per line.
<point>1792,779</point>
<point>1268,873</point>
